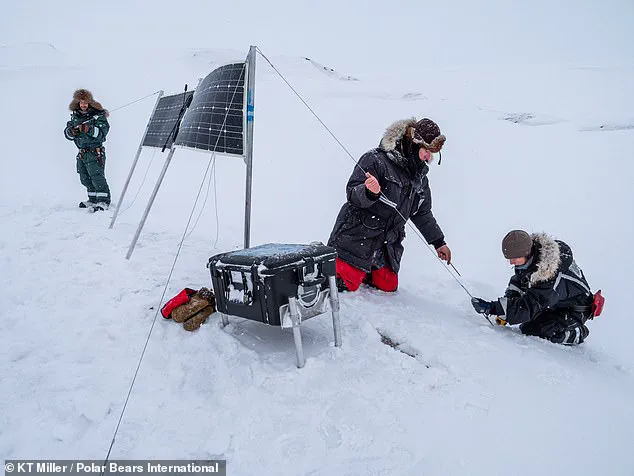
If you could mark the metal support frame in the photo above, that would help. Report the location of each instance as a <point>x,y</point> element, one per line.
<point>334,306</point>
<point>224,319</point>
<point>136,159</point>
<point>249,144</point>
<point>297,334</point>
<point>296,319</point>
<point>149,205</point>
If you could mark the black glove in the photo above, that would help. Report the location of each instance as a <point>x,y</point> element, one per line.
<point>481,306</point>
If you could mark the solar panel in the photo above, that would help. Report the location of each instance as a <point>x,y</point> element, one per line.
<point>215,119</point>
<point>163,120</point>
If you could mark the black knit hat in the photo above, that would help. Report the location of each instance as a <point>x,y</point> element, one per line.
<point>517,244</point>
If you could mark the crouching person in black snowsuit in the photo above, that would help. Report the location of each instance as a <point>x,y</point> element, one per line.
<point>548,295</point>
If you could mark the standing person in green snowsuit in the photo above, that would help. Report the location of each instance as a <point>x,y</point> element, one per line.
<point>88,127</point>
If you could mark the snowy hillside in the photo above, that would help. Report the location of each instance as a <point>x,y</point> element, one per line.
<point>540,132</point>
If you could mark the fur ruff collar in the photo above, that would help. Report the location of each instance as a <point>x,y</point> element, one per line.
<point>395,133</point>
<point>549,258</point>
<point>405,128</point>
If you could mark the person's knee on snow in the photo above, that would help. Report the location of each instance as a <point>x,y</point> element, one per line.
<point>385,279</point>
<point>349,278</point>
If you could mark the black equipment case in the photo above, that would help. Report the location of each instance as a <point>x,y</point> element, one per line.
<point>256,283</point>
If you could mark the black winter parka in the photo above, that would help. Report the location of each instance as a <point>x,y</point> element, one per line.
<point>368,224</point>
<point>551,283</point>
<point>99,127</point>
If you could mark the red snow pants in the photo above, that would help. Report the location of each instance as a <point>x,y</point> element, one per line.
<point>383,278</point>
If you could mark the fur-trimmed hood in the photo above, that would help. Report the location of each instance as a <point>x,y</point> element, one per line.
<point>84,95</point>
<point>416,132</point>
<point>548,259</point>
<point>393,147</point>
<point>395,133</point>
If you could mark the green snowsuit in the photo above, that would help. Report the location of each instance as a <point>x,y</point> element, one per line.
<point>91,158</point>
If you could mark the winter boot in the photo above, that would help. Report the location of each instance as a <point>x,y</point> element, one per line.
<point>99,206</point>
<point>86,204</point>
<point>573,336</point>
<point>197,319</point>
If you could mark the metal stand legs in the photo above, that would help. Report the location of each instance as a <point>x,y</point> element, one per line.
<point>296,318</point>
<point>224,319</point>
<point>334,305</point>
<point>136,159</point>
<point>149,205</point>
<point>297,335</point>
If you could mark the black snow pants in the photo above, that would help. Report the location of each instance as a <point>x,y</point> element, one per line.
<point>558,326</point>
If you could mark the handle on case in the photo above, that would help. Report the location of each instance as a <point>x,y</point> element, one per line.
<point>313,281</point>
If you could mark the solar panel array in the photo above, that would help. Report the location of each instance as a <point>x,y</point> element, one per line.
<point>163,120</point>
<point>215,119</point>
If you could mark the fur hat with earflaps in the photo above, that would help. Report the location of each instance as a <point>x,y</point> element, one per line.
<point>425,133</point>
<point>84,95</point>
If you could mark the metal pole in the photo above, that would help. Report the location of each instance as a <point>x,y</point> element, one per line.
<point>136,158</point>
<point>224,319</point>
<point>297,334</point>
<point>334,306</point>
<point>149,205</point>
<point>249,144</point>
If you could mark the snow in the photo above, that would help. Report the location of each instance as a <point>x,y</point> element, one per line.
<point>474,399</point>
<point>236,295</point>
<point>270,249</point>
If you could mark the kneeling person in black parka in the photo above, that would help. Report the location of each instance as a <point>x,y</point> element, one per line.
<point>548,295</point>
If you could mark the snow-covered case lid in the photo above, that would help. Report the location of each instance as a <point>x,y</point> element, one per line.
<point>273,256</point>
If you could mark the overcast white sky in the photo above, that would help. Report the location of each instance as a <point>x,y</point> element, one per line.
<point>358,35</point>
